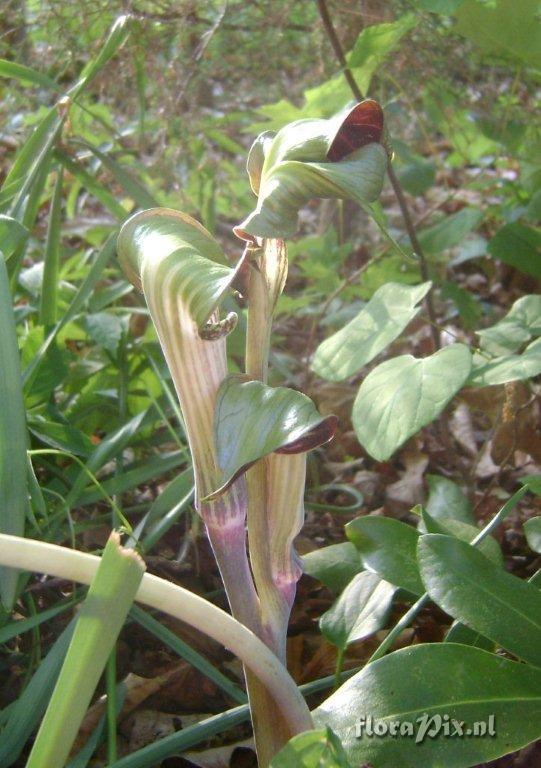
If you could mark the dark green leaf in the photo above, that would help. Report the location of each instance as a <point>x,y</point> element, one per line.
<point>532,529</point>
<point>253,420</point>
<point>480,594</point>
<point>389,548</point>
<point>466,684</point>
<point>334,566</point>
<point>519,246</point>
<point>450,231</point>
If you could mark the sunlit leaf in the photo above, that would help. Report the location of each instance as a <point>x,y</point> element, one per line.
<point>404,394</point>
<point>385,316</point>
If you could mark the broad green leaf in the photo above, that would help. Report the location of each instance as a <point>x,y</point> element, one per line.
<point>105,329</point>
<point>519,246</point>
<point>499,30</point>
<point>446,500</point>
<point>415,173</point>
<point>389,548</point>
<point>532,483</point>
<point>469,587</point>
<point>385,316</point>
<point>183,250</point>
<point>253,420</point>
<point>509,368</point>
<point>312,749</point>
<point>374,44</point>
<point>295,169</point>
<point>450,231</point>
<point>468,306</point>
<point>12,235</point>
<point>463,531</point>
<point>334,566</point>
<point>99,622</point>
<point>532,529</point>
<point>362,609</point>
<point>404,394</point>
<point>464,683</point>
<point>515,329</point>
<point>13,435</point>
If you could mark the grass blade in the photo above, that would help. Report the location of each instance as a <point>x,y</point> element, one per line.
<point>27,75</point>
<point>49,292</point>
<point>13,435</point>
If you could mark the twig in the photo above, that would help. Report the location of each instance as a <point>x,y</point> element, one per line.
<point>403,205</point>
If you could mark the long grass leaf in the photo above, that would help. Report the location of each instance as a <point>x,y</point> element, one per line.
<point>13,435</point>
<point>49,291</point>
<point>27,75</point>
<point>92,185</point>
<point>137,191</point>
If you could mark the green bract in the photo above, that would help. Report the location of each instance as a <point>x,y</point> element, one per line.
<point>253,420</point>
<point>292,167</point>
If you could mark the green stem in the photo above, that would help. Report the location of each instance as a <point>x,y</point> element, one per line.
<point>339,668</point>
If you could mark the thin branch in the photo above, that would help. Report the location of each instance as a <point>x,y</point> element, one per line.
<point>399,192</point>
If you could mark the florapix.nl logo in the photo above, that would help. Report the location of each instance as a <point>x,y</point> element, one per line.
<point>424,727</point>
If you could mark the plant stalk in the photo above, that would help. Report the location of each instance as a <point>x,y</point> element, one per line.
<point>64,563</point>
<point>395,183</point>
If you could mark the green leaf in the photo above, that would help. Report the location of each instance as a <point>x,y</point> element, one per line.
<point>481,595</point>
<point>465,532</point>
<point>404,394</point>
<point>28,709</point>
<point>115,39</point>
<point>253,420</point>
<point>469,308</point>
<point>384,318</point>
<point>515,329</point>
<point>446,500</point>
<point>460,633</point>
<point>532,529</point>
<point>13,436</point>
<point>416,174</point>
<point>26,75</point>
<point>100,620</point>
<point>389,548</point>
<point>105,330</point>
<point>334,566</point>
<point>450,231</point>
<point>137,191</point>
<point>466,684</point>
<point>176,242</point>
<point>295,171</point>
<point>12,235</point>
<point>62,436</point>
<point>498,29</point>
<point>312,749</point>
<point>374,44</point>
<point>362,609</point>
<point>509,368</point>
<point>519,246</point>
<point>51,266</point>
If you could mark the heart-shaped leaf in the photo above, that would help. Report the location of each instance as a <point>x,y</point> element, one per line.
<point>253,420</point>
<point>404,394</point>
<point>510,368</point>
<point>467,585</point>
<point>515,329</point>
<point>464,684</point>
<point>380,322</point>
